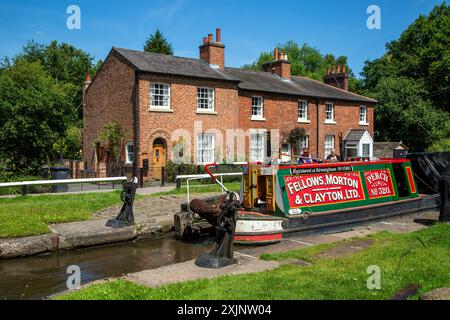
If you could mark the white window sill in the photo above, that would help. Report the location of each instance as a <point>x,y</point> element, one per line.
<point>303,121</point>
<point>210,112</point>
<point>159,109</point>
<point>330,122</point>
<point>363,124</point>
<point>253,118</point>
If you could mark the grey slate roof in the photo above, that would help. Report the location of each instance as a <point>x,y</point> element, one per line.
<point>165,64</point>
<point>355,135</point>
<point>385,149</point>
<point>301,86</point>
<point>248,80</point>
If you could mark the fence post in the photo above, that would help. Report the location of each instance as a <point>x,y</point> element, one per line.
<point>178,181</point>
<point>162,176</point>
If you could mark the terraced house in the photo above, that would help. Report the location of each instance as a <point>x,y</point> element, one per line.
<point>158,98</point>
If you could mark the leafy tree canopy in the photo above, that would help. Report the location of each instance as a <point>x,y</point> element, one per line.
<point>412,83</point>
<point>65,64</point>
<point>403,114</point>
<point>423,53</point>
<point>157,43</point>
<point>32,115</point>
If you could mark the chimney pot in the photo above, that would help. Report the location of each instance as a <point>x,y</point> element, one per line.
<point>218,32</point>
<point>276,54</point>
<point>88,77</point>
<point>332,70</point>
<point>328,71</point>
<point>343,68</point>
<point>210,37</point>
<point>339,68</point>
<point>205,39</point>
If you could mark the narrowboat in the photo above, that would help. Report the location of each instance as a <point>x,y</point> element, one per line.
<point>282,200</point>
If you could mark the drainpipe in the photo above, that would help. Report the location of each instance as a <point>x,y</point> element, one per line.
<point>318,124</point>
<point>136,123</point>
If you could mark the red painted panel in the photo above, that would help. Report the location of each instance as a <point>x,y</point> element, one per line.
<point>320,189</point>
<point>379,183</point>
<point>266,237</point>
<point>411,180</point>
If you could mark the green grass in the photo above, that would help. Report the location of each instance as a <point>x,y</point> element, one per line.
<point>233,186</point>
<point>421,257</point>
<point>31,215</point>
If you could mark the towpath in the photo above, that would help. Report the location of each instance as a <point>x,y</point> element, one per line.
<point>248,258</point>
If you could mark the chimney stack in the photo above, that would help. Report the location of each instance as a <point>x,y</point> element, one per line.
<point>280,66</point>
<point>213,52</point>
<point>337,79</point>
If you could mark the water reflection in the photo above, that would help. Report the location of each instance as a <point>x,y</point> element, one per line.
<point>40,276</point>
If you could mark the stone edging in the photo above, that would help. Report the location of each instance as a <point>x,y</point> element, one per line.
<point>53,242</point>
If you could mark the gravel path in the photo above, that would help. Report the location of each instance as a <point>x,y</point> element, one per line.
<point>149,208</point>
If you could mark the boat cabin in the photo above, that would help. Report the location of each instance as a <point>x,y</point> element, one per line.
<point>289,190</point>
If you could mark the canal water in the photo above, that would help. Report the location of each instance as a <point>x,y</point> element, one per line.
<point>40,276</point>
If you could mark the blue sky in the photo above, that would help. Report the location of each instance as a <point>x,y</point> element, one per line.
<point>248,26</point>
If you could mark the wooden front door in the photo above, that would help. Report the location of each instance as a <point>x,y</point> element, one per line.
<point>159,160</point>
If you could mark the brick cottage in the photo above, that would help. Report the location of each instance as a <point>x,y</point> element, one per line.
<point>181,106</point>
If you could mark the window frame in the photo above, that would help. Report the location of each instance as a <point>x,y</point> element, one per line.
<point>332,113</point>
<point>127,153</point>
<point>258,117</point>
<point>263,145</point>
<point>212,148</point>
<point>211,99</point>
<point>365,122</point>
<point>327,147</point>
<point>305,119</point>
<point>157,107</point>
<point>301,147</point>
<point>362,149</point>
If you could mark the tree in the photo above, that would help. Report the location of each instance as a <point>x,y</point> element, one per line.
<point>65,64</point>
<point>157,43</point>
<point>305,61</point>
<point>412,82</point>
<point>70,144</point>
<point>402,113</point>
<point>423,53</point>
<point>32,115</point>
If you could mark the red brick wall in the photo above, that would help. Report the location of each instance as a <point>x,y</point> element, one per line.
<point>109,97</point>
<point>183,102</point>
<point>346,116</point>
<point>281,112</point>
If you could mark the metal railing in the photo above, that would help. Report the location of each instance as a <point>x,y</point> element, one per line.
<point>191,177</point>
<point>25,184</point>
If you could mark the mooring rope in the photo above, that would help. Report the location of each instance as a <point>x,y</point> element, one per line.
<point>425,183</point>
